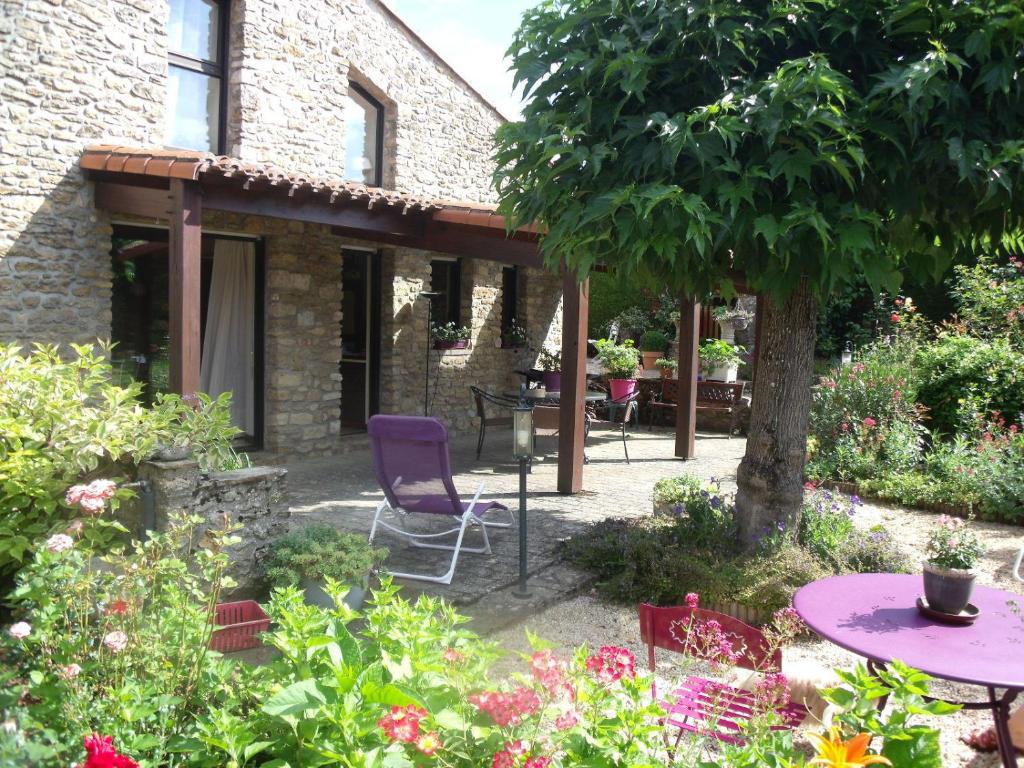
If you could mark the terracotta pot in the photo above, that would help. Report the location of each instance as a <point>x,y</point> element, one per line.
<point>650,358</point>
<point>621,388</point>
<point>948,589</point>
<point>553,381</point>
<point>667,373</point>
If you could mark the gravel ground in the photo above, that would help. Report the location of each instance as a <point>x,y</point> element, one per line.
<point>587,619</point>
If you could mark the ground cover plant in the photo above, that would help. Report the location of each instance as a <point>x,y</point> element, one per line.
<point>691,546</point>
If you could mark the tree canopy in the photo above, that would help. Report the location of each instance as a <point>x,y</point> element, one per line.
<point>695,140</point>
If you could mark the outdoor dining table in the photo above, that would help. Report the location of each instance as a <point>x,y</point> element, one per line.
<point>874,615</point>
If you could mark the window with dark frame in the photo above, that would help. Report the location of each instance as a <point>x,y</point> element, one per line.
<point>446,279</point>
<point>364,137</point>
<point>197,74</point>
<point>509,303</point>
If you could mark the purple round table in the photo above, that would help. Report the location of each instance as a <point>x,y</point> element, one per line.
<point>874,615</point>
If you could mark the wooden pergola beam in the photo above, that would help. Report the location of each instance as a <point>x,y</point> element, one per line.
<point>686,408</point>
<point>184,249</point>
<point>572,418</point>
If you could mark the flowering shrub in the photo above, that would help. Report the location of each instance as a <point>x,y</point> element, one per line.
<point>112,645</point>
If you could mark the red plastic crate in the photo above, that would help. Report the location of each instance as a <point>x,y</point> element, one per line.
<point>242,624</point>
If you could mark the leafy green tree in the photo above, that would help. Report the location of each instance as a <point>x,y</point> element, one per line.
<point>798,143</point>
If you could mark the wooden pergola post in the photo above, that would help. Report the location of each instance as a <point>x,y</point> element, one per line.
<point>686,409</point>
<point>184,244</point>
<point>572,418</point>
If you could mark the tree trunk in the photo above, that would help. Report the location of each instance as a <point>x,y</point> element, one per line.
<point>770,477</point>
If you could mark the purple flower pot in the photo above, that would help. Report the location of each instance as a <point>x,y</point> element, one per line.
<point>553,381</point>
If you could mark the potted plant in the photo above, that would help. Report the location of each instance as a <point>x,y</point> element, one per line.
<point>667,367</point>
<point>652,346</point>
<point>450,336</point>
<point>621,362</point>
<point>308,557</point>
<point>551,364</point>
<point>953,550</point>
<point>731,318</point>
<point>720,360</point>
<point>514,336</point>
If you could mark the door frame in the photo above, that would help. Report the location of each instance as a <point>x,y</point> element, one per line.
<point>374,304</point>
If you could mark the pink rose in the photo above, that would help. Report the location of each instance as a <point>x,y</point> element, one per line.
<point>20,631</point>
<point>69,671</point>
<point>116,640</point>
<point>692,600</point>
<point>59,542</point>
<point>869,422</point>
<point>566,720</point>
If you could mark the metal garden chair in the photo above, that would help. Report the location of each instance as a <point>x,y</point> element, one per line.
<point>481,399</point>
<point>708,706</point>
<point>412,465</point>
<point>620,412</point>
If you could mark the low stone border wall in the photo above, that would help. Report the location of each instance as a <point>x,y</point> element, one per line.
<point>255,498</point>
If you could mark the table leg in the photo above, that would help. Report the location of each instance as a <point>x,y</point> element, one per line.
<point>1001,715</point>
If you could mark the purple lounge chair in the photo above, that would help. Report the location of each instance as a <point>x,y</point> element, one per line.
<point>410,459</point>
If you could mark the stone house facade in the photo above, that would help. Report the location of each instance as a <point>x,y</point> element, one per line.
<point>286,75</point>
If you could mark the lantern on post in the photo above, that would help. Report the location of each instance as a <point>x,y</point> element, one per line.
<point>522,451</point>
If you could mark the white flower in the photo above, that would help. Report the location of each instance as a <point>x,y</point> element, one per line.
<point>59,542</point>
<point>21,630</point>
<point>70,671</point>
<point>116,640</point>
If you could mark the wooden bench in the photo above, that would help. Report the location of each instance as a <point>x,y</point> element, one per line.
<point>715,396</point>
<point>721,397</point>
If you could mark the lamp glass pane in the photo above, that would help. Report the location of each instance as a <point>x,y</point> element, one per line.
<point>522,433</point>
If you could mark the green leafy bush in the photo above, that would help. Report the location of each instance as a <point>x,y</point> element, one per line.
<point>654,341</point>
<point>63,421</point>
<point>320,552</point>
<point>620,361</point>
<point>990,298</point>
<point>964,376</point>
<point>715,353</point>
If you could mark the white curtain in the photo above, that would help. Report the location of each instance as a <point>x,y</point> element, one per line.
<point>227,364</point>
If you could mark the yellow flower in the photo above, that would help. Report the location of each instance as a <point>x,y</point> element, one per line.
<point>833,752</point>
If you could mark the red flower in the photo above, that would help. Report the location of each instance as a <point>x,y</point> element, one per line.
<point>537,762</point>
<point>894,317</point>
<point>101,753</point>
<point>403,724</point>
<point>117,608</point>
<point>506,758</point>
<point>507,708</point>
<point>869,422</point>
<point>428,743</point>
<point>611,663</point>
<point>452,656</point>
<point>692,599</point>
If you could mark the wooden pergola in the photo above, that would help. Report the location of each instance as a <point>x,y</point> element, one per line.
<point>176,186</point>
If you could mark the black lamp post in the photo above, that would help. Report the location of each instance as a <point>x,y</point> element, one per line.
<point>522,450</point>
<point>429,296</point>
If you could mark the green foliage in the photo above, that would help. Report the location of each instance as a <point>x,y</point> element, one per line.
<point>806,140</point>
<point>63,421</point>
<point>551,361</point>
<point>715,353</point>
<point>620,361</point>
<point>663,363</point>
<point>990,298</point>
<point>318,552</point>
<point>120,649</point>
<point>654,341</point>
<point>964,376</point>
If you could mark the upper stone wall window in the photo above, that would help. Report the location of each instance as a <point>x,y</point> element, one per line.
<point>364,137</point>
<point>196,74</point>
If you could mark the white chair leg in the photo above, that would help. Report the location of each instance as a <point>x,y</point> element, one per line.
<point>376,517</point>
<point>1016,565</point>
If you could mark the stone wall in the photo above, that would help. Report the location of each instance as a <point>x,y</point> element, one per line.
<point>71,74</point>
<point>485,363</point>
<point>253,498</point>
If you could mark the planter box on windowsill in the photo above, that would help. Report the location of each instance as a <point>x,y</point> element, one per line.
<point>446,345</point>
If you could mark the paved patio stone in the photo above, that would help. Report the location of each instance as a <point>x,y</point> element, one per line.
<point>341,490</point>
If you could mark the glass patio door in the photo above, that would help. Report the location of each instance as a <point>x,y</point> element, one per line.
<point>360,337</point>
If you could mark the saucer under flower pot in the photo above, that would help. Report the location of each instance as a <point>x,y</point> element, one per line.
<point>948,590</point>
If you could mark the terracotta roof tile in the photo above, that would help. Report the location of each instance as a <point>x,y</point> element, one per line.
<point>197,166</point>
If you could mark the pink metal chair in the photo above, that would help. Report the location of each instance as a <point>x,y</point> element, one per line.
<point>411,462</point>
<point>698,700</point>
